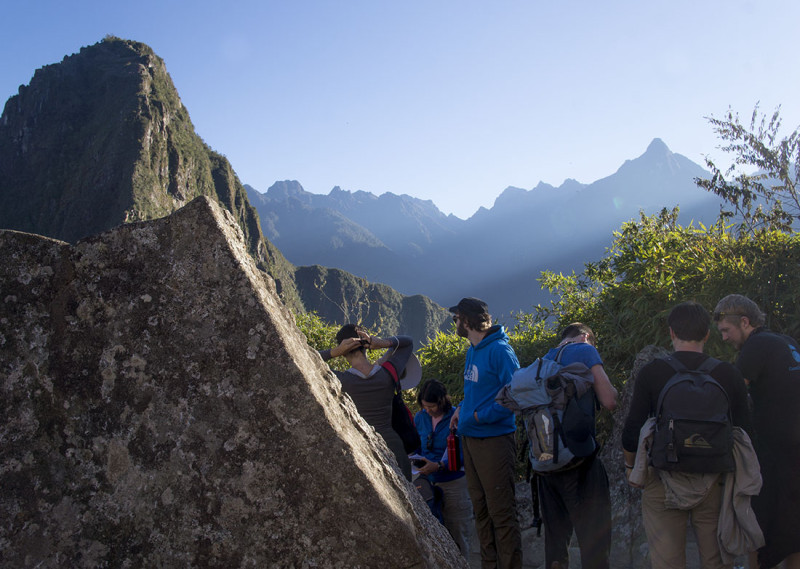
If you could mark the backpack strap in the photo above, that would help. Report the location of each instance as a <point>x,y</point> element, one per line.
<point>708,364</point>
<point>676,365</point>
<point>557,360</point>
<point>559,352</point>
<point>533,480</point>
<point>389,367</point>
<point>539,370</point>
<point>537,516</point>
<point>706,367</point>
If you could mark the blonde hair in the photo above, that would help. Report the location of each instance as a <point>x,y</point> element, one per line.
<point>735,306</point>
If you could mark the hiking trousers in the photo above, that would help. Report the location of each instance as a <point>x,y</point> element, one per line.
<point>457,513</point>
<point>666,527</point>
<point>577,499</point>
<point>489,465</point>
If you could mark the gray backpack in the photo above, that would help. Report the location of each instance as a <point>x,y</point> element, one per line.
<point>557,406</point>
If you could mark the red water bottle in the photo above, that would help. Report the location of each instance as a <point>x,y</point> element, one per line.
<point>453,451</point>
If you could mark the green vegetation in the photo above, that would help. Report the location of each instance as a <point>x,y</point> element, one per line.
<point>768,198</point>
<point>653,264</point>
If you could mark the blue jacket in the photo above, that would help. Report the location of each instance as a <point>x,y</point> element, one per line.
<point>434,442</point>
<point>488,368</point>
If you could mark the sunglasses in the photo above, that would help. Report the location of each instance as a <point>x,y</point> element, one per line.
<point>720,315</point>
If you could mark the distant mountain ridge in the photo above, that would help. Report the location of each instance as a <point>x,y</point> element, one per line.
<point>102,138</point>
<point>496,254</point>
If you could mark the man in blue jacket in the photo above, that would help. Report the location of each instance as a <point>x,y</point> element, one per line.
<point>487,431</point>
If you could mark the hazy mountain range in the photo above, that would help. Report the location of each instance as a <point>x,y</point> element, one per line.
<point>498,253</point>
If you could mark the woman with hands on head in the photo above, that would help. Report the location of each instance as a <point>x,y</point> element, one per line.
<point>369,384</point>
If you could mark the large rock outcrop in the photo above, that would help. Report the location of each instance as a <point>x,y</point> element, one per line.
<point>160,409</point>
<point>629,543</point>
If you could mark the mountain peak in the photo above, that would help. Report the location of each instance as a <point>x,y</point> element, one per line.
<point>657,146</point>
<point>285,189</point>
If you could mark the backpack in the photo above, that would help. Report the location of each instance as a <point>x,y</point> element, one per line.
<point>557,405</point>
<point>432,494</point>
<point>402,419</point>
<point>693,431</point>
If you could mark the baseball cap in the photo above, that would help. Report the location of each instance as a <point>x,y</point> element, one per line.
<point>470,306</point>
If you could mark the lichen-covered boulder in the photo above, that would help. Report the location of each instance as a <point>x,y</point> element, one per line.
<point>160,409</point>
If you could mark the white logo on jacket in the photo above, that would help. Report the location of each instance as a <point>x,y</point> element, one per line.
<point>471,374</point>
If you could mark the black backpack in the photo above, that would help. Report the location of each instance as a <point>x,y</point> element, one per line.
<point>402,418</point>
<point>693,422</point>
<point>432,494</point>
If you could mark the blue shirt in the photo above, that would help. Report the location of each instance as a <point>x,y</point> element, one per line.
<point>434,442</point>
<point>577,352</point>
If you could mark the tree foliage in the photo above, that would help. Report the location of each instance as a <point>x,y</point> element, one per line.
<point>767,199</point>
<point>655,263</point>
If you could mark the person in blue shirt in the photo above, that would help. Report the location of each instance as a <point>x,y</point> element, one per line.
<point>578,497</point>
<point>433,426</point>
<point>487,433</point>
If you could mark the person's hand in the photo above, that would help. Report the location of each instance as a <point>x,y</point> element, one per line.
<point>429,468</point>
<point>454,418</point>
<point>365,339</point>
<point>346,346</point>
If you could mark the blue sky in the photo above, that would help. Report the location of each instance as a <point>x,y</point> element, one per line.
<point>448,101</point>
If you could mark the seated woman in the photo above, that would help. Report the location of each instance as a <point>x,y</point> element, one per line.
<point>433,425</point>
<point>369,385</point>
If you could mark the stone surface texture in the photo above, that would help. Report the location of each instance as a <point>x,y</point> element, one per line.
<point>629,542</point>
<point>161,409</point>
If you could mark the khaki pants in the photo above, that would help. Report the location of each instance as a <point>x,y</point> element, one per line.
<point>457,513</point>
<point>489,465</point>
<point>666,527</point>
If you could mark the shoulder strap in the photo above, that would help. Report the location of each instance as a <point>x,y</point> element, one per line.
<point>674,363</point>
<point>389,367</point>
<point>541,362</point>
<point>709,365</point>
<point>559,352</point>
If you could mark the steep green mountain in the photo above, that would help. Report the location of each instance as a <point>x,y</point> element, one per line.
<point>102,138</point>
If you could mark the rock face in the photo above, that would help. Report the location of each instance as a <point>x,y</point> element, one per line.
<point>162,410</point>
<point>629,542</point>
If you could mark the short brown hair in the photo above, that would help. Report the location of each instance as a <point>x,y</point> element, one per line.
<point>576,329</point>
<point>689,321</point>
